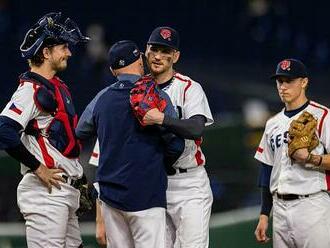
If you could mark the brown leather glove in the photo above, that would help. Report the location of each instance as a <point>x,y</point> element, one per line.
<point>302,133</point>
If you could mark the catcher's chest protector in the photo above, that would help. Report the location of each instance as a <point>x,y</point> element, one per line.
<point>54,98</point>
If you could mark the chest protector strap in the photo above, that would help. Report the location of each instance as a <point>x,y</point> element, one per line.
<point>54,98</point>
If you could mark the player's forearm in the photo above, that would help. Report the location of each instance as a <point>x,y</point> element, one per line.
<point>21,154</point>
<point>322,161</point>
<point>84,131</point>
<point>9,133</point>
<point>174,147</point>
<point>266,201</point>
<point>264,218</point>
<point>191,128</point>
<point>85,128</point>
<point>10,142</point>
<point>99,217</point>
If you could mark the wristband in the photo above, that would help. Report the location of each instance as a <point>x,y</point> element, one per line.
<point>309,158</point>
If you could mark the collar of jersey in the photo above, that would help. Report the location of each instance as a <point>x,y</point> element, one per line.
<point>125,81</point>
<point>290,113</point>
<point>167,83</point>
<point>128,77</point>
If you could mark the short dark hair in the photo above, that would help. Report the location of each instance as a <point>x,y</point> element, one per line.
<point>38,58</point>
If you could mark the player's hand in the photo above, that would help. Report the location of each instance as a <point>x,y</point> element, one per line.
<point>261,229</point>
<point>100,234</point>
<point>153,116</point>
<point>300,155</point>
<point>49,177</point>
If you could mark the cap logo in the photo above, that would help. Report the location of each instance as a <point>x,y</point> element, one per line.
<point>136,52</point>
<point>121,62</point>
<point>285,65</point>
<point>166,33</point>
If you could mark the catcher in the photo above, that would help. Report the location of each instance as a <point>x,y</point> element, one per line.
<point>294,177</point>
<point>37,129</point>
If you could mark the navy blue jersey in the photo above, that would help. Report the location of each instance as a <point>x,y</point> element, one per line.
<point>131,171</point>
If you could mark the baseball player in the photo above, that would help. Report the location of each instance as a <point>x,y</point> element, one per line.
<point>100,232</point>
<point>295,188</point>
<point>189,195</point>
<point>37,129</point>
<point>131,177</point>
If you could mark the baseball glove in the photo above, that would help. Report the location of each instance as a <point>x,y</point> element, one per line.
<point>302,133</point>
<point>146,96</point>
<point>86,200</point>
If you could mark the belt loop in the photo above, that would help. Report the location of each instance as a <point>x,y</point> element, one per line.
<point>65,178</point>
<point>68,180</point>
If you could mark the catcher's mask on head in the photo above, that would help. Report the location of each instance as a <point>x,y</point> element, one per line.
<point>290,68</point>
<point>50,30</point>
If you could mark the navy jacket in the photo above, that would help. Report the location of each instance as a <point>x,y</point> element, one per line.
<point>131,171</point>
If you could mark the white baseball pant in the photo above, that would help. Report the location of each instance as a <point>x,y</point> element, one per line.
<point>139,229</point>
<point>302,223</point>
<point>50,219</point>
<point>189,202</point>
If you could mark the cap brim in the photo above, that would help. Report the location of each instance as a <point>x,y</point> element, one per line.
<point>274,76</point>
<point>163,44</point>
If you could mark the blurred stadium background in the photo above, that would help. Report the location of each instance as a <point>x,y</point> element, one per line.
<point>231,47</point>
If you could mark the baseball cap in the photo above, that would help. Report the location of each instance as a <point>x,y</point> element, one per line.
<point>291,68</point>
<point>165,36</point>
<point>123,53</point>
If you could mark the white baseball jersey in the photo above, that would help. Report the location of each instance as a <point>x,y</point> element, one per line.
<point>22,109</point>
<point>288,177</point>
<point>189,195</point>
<point>189,99</point>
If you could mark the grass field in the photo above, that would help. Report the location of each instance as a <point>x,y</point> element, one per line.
<point>232,229</point>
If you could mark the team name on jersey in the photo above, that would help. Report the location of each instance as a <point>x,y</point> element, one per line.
<point>277,140</point>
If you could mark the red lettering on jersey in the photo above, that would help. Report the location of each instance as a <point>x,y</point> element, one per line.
<point>285,65</point>
<point>259,149</point>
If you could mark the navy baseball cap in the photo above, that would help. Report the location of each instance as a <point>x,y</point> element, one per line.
<point>291,68</point>
<point>123,53</point>
<point>165,36</point>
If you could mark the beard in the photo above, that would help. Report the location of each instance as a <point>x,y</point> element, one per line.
<point>59,65</point>
<point>161,68</point>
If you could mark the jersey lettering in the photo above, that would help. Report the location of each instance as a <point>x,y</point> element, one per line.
<point>278,140</point>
